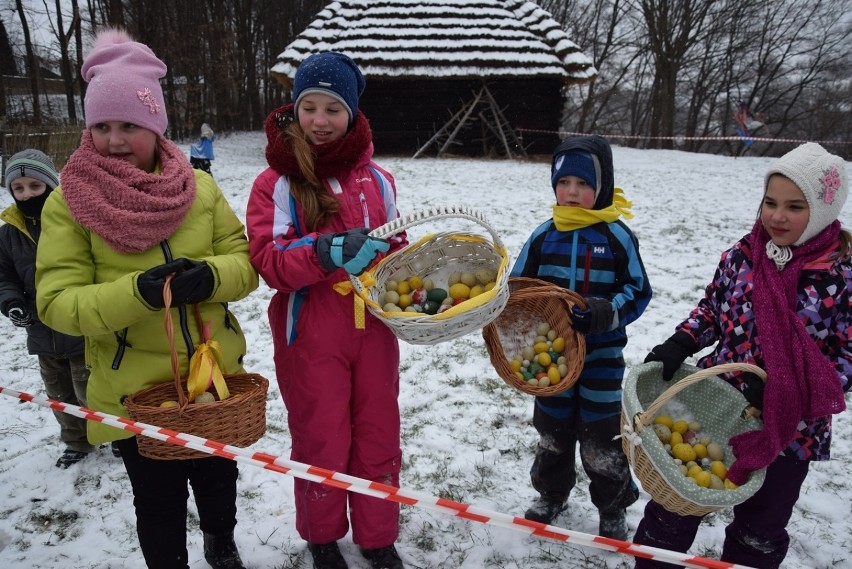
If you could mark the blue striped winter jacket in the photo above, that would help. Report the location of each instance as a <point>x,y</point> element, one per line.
<point>603,261</point>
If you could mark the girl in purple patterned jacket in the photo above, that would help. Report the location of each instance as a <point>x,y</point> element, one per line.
<point>780,299</point>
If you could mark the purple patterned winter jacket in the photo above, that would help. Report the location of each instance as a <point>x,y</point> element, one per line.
<point>724,317</point>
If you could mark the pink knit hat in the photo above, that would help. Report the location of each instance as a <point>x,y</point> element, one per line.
<point>123,77</point>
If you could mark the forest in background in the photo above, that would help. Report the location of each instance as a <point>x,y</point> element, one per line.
<point>672,73</point>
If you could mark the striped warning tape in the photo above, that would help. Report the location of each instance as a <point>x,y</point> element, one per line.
<point>681,138</point>
<point>381,491</point>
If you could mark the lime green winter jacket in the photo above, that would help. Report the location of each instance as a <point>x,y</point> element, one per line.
<point>84,287</point>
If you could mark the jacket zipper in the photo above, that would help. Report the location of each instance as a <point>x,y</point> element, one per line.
<point>121,337</point>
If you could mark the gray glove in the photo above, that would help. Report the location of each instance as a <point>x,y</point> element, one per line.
<point>19,315</point>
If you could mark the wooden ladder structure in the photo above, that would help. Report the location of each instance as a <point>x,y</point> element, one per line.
<point>486,109</point>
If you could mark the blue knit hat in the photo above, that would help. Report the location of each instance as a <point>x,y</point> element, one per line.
<point>577,163</point>
<point>332,74</point>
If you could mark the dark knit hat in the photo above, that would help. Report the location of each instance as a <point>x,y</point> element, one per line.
<point>31,163</point>
<point>823,179</point>
<point>332,74</point>
<point>576,163</point>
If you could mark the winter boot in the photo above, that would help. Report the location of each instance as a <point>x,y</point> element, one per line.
<point>383,558</point>
<point>544,510</point>
<point>327,556</point>
<point>613,525</point>
<point>70,457</point>
<point>220,551</point>
<point>113,447</point>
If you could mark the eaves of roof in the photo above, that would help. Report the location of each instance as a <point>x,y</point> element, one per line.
<point>441,39</point>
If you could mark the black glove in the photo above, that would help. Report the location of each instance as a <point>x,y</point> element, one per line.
<point>193,282</point>
<point>19,315</point>
<point>595,319</point>
<point>672,353</point>
<point>352,250</point>
<point>752,387</point>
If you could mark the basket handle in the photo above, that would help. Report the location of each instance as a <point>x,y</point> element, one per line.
<point>183,399</point>
<point>642,420</point>
<point>423,216</point>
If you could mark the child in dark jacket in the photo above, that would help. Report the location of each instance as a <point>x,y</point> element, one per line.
<point>780,300</point>
<point>30,177</point>
<point>585,247</point>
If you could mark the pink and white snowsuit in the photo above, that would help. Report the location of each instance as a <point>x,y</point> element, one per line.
<point>340,384</point>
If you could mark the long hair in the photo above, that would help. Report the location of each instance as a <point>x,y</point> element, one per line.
<point>317,204</point>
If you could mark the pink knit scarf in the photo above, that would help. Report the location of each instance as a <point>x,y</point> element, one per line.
<point>801,383</point>
<point>132,210</point>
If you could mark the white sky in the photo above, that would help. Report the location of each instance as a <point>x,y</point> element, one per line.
<point>466,434</point>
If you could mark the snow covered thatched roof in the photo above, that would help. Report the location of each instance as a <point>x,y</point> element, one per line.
<point>441,39</point>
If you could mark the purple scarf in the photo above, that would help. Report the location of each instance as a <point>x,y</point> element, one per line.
<point>132,210</point>
<point>801,383</point>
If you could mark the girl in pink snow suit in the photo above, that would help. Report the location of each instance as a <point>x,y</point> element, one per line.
<point>309,216</point>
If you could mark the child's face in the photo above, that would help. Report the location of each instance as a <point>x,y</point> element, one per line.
<point>572,191</point>
<point>24,188</point>
<point>324,119</point>
<point>784,211</point>
<point>126,141</point>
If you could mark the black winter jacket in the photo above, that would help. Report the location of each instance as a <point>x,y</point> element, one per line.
<point>18,238</point>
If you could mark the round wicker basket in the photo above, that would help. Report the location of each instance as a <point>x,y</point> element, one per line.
<point>532,301</point>
<point>437,256</point>
<point>239,420</point>
<point>719,407</point>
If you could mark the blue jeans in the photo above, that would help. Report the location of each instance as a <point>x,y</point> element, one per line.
<point>758,535</point>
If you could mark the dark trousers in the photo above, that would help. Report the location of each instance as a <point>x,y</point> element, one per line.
<point>553,472</point>
<point>201,164</point>
<point>160,493</point>
<point>758,535</point>
<point>65,380</point>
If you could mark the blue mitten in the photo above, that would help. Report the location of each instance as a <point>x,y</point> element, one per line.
<point>351,250</point>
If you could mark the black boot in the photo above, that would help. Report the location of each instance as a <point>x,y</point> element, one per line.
<point>327,556</point>
<point>220,551</point>
<point>613,524</point>
<point>544,510</point>
<point>383,558</point>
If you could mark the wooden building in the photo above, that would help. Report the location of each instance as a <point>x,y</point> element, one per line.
<point>461,77</point>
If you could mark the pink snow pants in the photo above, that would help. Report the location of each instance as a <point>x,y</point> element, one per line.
<point>340,386</point>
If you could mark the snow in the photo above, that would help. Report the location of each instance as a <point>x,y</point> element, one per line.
<point>467,435</point>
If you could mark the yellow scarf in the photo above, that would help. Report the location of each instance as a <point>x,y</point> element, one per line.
<point>570,218</point>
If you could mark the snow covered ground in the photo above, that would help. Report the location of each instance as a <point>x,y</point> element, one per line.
<point>467,436</point>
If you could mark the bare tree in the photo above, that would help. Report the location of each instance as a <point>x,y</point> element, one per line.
<point>32,63</point>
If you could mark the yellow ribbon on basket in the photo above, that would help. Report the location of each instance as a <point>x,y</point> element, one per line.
<point>205,368</point>
<point>345,287</point>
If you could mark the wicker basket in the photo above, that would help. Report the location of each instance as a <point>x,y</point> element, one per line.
<point>436,256</point>
<point>239,420</point>
<point>532,301</point>
<point>706,398</point>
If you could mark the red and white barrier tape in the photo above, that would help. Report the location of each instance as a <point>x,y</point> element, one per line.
<point>735,138</point>
<point>374,489</point>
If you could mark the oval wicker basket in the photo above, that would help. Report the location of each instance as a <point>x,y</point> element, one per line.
<point>436,256</point>
<point>718,406</point>
<point>532,301</point>
<point>239,420</point>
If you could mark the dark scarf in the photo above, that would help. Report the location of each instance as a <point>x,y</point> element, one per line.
<point>330,160</point>
<point>801,382</point>
<point>132,210</point>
